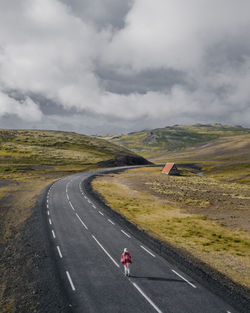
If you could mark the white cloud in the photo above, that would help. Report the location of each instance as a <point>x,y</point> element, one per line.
<point>26,110</point>
<point>176,33</point>
<point>46,50</point>
<point>54,49</point>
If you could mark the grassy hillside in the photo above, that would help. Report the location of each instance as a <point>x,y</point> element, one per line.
<point>220,151</point>
<point>201,215</point>
<point>206,215</point>
<point>30,160</point>
<point>52,148</point>
<point>226,158</point>
<point>157,142</point>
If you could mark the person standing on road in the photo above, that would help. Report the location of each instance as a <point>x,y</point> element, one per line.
<point>126,260</point>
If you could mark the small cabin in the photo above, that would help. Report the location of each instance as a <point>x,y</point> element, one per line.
<point>170,169</point>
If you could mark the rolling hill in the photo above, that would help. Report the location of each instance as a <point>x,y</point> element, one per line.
<point>158,142</point>
<point>35,149</point>
<point>219,151</point>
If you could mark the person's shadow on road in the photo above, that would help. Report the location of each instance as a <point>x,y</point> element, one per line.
<point>157,278</point>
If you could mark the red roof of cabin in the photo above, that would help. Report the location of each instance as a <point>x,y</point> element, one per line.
<point>167,168</point>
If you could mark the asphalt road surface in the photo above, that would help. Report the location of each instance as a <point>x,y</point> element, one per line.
<point>89,244</point>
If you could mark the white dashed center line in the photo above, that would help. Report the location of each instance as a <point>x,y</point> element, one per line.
<point>148,251</point>
<point>184,279</point>
<point>59,251</point>
<point>81,221</point>
<point>50,221</point>
<point>111,222</point>
<point>48,212</point>
<point>100,213</point>
<point>125,233</point>
<point>106,252</point>
<point>146,297</point>
<point>93,206</point>
<point>53,233</point>
<point>70,281</point>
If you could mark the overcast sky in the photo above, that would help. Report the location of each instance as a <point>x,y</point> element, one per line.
<point>112,66</point>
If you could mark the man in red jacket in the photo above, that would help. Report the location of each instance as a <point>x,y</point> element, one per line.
<point>126,260</point>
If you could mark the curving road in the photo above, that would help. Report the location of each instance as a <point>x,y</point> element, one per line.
<point>88,245</point>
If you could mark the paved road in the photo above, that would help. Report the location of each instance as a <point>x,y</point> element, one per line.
<point>89,243</point>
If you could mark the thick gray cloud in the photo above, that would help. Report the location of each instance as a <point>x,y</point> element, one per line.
<point>101,13</point>
<point>157,80</point>
<point>123,65</point>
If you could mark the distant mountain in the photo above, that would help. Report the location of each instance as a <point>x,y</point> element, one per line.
<point>157,142</point>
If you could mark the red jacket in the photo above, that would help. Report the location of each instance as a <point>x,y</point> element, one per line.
<point>126,258</point>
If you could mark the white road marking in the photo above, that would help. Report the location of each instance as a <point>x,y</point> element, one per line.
<point>47,200</point>
<point>106,252</point>
<point>67,196</point>
<point>93,206</point>
<point>48,212</point>
<point>81,221</point>
<point>228,312</point>
<point>111,222</point>
<point>50,221</point>
<point>70,281</point>
<point>59,251</point>
<point>53,233</point>
<point>184,279</point>
<point>146,297</point>
<point>67,187</point>
<point>148,251</point>
<point>71,206</point>
<point>101,213</point>
<point>47,205</point>
<point>125,233</point>
<point>89,201</point>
